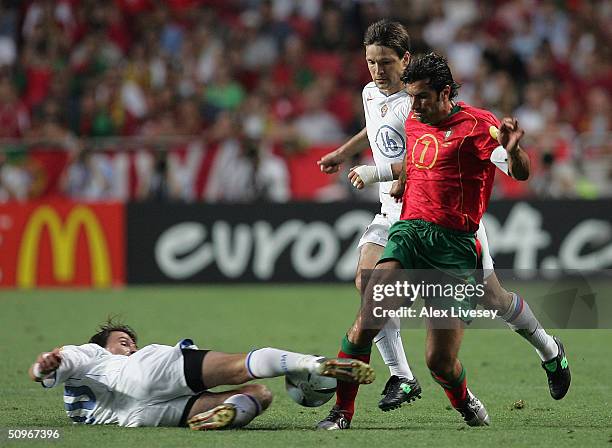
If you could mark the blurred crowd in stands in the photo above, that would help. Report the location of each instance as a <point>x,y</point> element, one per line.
<point>263,81</point>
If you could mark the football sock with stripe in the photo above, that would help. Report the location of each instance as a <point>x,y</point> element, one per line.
<point>247,408</point>
<point>454,388</point>
<point>347,392</point>
<point>391,348</point>
<point>271,362</point>
<point>520,318</point>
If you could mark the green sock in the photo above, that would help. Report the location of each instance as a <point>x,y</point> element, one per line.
<point>353,349</point>
<point>449,384</point>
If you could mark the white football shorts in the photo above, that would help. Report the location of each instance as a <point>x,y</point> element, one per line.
<point>378,231</point>
<point>154,380</point>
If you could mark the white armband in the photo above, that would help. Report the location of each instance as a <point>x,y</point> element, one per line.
<point>385,173</point>
<point>499,157</point>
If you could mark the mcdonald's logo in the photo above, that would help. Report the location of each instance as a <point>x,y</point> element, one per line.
<point>63,237</point>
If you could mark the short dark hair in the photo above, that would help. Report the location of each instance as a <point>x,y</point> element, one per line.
<point>389,34</point>
<point>104,330</point>
<point>435,69</point>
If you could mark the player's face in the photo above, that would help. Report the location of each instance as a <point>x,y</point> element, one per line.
<point>428,105</point>
<point>120,343</point>
<point>386,67</point>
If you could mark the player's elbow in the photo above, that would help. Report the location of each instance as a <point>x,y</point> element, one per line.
<point>521,171</point>
<point>521,175</point>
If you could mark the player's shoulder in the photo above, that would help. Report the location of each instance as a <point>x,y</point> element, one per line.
<point>481,115</point>
<point>481,121</point>
<point>370,89</point>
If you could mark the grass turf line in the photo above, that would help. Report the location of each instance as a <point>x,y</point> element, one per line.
<point>502,369</point>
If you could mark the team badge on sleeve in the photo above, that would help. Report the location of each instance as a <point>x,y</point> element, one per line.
<point>494,132</point>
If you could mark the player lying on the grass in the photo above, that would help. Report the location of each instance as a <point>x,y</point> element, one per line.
<point>111,381</point>
<point>444,201</point>
<point>386,108</point>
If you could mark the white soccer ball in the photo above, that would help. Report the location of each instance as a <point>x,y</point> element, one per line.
<point>310,390</point>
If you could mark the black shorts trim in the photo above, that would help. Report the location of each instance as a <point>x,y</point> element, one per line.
<point>188,406</point>
<point>192,368</point>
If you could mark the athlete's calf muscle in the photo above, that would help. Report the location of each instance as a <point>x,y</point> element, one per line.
<point>495,296</point>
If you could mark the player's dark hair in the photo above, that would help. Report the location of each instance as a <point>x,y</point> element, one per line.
<point>434,68</point>
<point>105,329</point>
<point>387,33</point>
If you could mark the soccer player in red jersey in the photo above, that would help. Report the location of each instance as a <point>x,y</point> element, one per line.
<point>448,151</point>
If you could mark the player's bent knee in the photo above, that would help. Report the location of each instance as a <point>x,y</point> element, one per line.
<point>265,396</point>
<point>260,392</point>
<point>440,363</point>
<point>499,300</point>
<point>358,281</point>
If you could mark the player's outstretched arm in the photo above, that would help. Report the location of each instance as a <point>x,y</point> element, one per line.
<point>363,175</point>
<point>510,133</point>
<point>330,162</point>
<point>45,364</point>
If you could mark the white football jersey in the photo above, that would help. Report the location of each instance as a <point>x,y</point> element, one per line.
<point>385,119</point>
<point>89,373</point>
<point>102,388</point>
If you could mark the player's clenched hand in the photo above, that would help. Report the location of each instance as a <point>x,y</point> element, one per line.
<point>397,190</point>
<point>49,362</point>
<point>510,133</point>
<point>363,175</point>
<point>330,163</point>
<point>355,178</point>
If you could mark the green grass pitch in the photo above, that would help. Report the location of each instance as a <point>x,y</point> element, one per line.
<point>502,369</point>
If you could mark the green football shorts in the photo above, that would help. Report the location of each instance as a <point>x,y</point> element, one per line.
<point>425,246</point>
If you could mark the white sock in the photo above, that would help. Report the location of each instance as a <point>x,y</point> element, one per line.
<point>271,362</point>
<point>520,318</point>
<point>247,408</point>
<point>389,344</point>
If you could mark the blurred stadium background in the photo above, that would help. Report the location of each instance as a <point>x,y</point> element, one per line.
<point>188,131</point>
<point>156,114</point>
<point>233,101</point>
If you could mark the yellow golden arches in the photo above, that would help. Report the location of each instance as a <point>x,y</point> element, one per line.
<point>63,239</point>
<point>424,142</point>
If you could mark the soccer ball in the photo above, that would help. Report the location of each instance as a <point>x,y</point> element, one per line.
<point>310,390</point>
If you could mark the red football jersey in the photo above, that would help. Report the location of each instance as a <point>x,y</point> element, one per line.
<point>448,167</point>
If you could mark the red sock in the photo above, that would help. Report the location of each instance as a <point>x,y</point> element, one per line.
<point>455,390</point>
<point>346,392</point>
